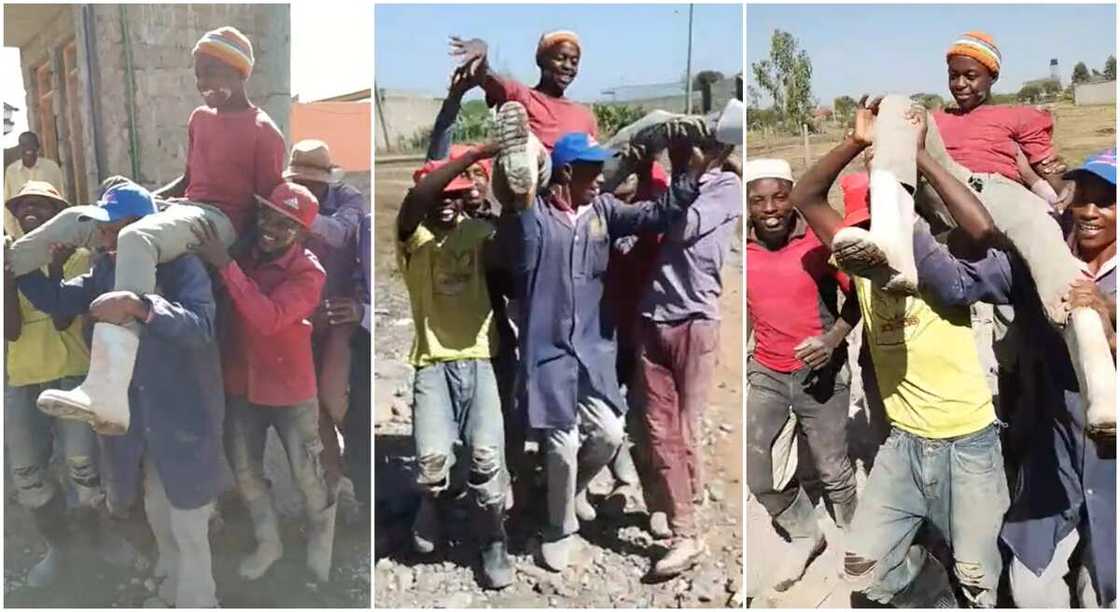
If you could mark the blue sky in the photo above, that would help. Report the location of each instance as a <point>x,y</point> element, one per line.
<point>909,57</point>
<point>622,44</point>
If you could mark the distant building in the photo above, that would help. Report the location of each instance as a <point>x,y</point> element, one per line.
<point>1095,93</point>
<point>1055,73</point>
<point>343,122</point>
<point>110,87</point>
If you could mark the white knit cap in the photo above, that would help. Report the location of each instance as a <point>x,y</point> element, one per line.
<point>729,128</point>
<point>756,169</point>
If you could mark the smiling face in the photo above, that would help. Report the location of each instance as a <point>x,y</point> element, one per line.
<point>33,211</point>
<point>276,232</point>
<point>970,82</point>
<point>217,81</point>
<point>559,65</point>
<point>770,209</point>
<point>586,182</point>
<point>1094,214</point>
<point>447,214</point>
<point>28,149</point>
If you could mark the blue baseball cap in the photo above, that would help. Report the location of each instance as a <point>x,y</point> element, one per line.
<point>120,202</point>
<point>1102,164</point>
<point>578,146</point>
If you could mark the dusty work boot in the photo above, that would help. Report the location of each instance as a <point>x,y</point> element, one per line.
<point>320,541</point>
<point>1096,373</point>
<point>101,537</point>
<point>269,547</point>
<point>556,552</point>
<point>584,510</point>
<point>884,255</point>
<point>659,526</point>
<point>519,149</point>
<point>683,555</point>
<point>797,560</point>
<point>427,530</point>
<point>51,522</point>
<point>489,522</point>
<point>102,400</point>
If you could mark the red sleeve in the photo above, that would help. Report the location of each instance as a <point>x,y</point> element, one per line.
<point>1035,134</point>
<point>287,304</point>
<point>271,156</point>
<point>500,89</point>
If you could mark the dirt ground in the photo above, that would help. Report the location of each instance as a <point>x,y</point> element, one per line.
<point>1078,132</point>
<point>286,585</point>
<point>607,569</point>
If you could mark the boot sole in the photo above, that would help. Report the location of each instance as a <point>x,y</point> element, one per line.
<point>859,256</point>
<point>59,408</point>
<point>514,157</point>
<point>692,562</point>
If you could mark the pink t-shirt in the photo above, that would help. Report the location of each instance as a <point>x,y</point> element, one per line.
<point>549,117</point>
<point>230,157</point>
<point>986,138</point>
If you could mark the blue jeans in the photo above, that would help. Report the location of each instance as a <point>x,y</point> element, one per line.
<point>956,484</point>
<point>27,436</point>
<point>453,402</point>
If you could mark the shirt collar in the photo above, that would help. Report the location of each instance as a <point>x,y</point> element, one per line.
<point>800,228</point>
<point>283,262</point>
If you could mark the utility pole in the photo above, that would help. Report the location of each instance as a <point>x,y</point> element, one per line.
<point>688,67</point>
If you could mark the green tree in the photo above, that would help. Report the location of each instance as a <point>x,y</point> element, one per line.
<point>1080,73</point>
<point>1029,93</point>
<point>844,108</point>
<point>787,76</point>
<point>1110,68</point>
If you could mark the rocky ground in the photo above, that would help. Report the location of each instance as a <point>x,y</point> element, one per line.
<point>615,550</point>
<point>288,584</point>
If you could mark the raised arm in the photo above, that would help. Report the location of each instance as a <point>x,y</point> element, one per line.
<point>473,55</point>
<point>426,194</point>
<point>462,81</point>
<point>810,194</point>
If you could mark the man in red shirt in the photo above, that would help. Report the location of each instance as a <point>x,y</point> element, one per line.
<point>979,143</point>
<point>234,151</point>
<point>799,368</point>
<point>269,371</point>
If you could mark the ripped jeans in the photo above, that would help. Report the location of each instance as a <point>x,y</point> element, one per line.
<point>27,436</point>
<point>246,430</point>
<point>958,485</point>
<point>453,402</point>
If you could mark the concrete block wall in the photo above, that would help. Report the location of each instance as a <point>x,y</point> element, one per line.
<point>405,114</point>
<point>161,38</point>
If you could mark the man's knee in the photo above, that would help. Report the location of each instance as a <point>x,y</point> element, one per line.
<point>433,474</point>
<point>86,479</point>
<point>486,475</point>
<point>33,487</point>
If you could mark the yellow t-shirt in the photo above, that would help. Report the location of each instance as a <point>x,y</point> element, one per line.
<point>16,174</point>
<point>42,353</point>
<point>926,364</point>
<point>446,283</point>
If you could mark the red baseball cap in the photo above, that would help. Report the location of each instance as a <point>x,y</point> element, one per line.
<point>459,183</point>
<point>856,188</point>
<point>459,150</point>
<point>293,201</point>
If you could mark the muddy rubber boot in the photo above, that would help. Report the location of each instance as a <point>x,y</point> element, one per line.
<point>684,554</point>
<point>885,255</point>
<point>50,520</point>
<point>497,570</point>
<point>103,539</point>
<point>320,541</point>
<point>1096,373</point>
<point>659,526</point>
<point>267,531</point>
<point>929,589</point>
<point>556,552</point>
<point>519,149</point>
<point>427,530</point>
<point>102,400</point>
<point>584,510</point>
<point>807,541</point>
